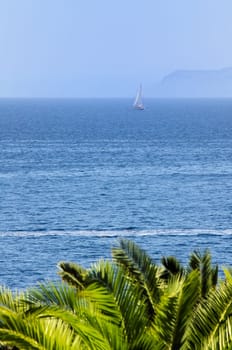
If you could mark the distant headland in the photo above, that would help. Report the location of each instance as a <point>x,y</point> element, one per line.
<point>196,83</point>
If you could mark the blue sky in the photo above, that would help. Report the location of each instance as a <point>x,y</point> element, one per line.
<point>105,48</point>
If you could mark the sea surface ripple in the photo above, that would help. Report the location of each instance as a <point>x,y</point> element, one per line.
<point>77,175</point>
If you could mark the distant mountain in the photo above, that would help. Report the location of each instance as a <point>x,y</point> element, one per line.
<point>197,83</point>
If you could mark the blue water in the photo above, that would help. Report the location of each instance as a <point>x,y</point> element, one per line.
<point>77,174</point>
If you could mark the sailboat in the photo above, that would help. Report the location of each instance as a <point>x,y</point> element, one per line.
<point>138,103</point>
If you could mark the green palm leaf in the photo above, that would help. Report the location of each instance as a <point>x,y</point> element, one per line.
<point>175,311</point>
<point>208,273</point>
<point>140,267</point>
<point>28,333</point>
<point>172,267</point>
<point>127,298</point>
<point>212,324</point>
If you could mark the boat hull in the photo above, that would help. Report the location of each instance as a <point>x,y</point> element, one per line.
<point>139,108</point>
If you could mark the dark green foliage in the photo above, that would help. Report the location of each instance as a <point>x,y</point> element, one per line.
<point>141,269</point>
<point>208,273</point>
<point>172,267</point>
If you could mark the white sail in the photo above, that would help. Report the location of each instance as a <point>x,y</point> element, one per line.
<point>138,103</point>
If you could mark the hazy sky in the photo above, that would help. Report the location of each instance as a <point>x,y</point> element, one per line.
<point>97,48</point>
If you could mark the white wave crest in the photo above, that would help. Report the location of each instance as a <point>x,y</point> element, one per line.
<point>119,233</point>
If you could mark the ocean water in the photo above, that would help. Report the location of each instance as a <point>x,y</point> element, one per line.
<point>76,175</point>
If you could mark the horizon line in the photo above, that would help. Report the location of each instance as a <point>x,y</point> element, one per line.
<point>109,97</point>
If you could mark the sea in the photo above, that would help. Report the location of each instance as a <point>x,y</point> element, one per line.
<point>77,175</point>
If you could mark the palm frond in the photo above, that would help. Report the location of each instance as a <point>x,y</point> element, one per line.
<point>206,274</point>
<point>79,302</point>
<point>73,274</point>
<point>30,333</point>
<point>175,310</point>
<point>164,322</point>
<point>213,317</point>
<point>188,299</point>
<point>209,274</point>
<point>172,267</point>
<point>139,266</point>
<point>195,260</point>
<point>127,295</point>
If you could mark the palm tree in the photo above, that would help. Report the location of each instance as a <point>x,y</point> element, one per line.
<point>126,296</point>
<point>173,295</point>
<point>129,303</point>
<point>55,317</point>
<point>19,328</point>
